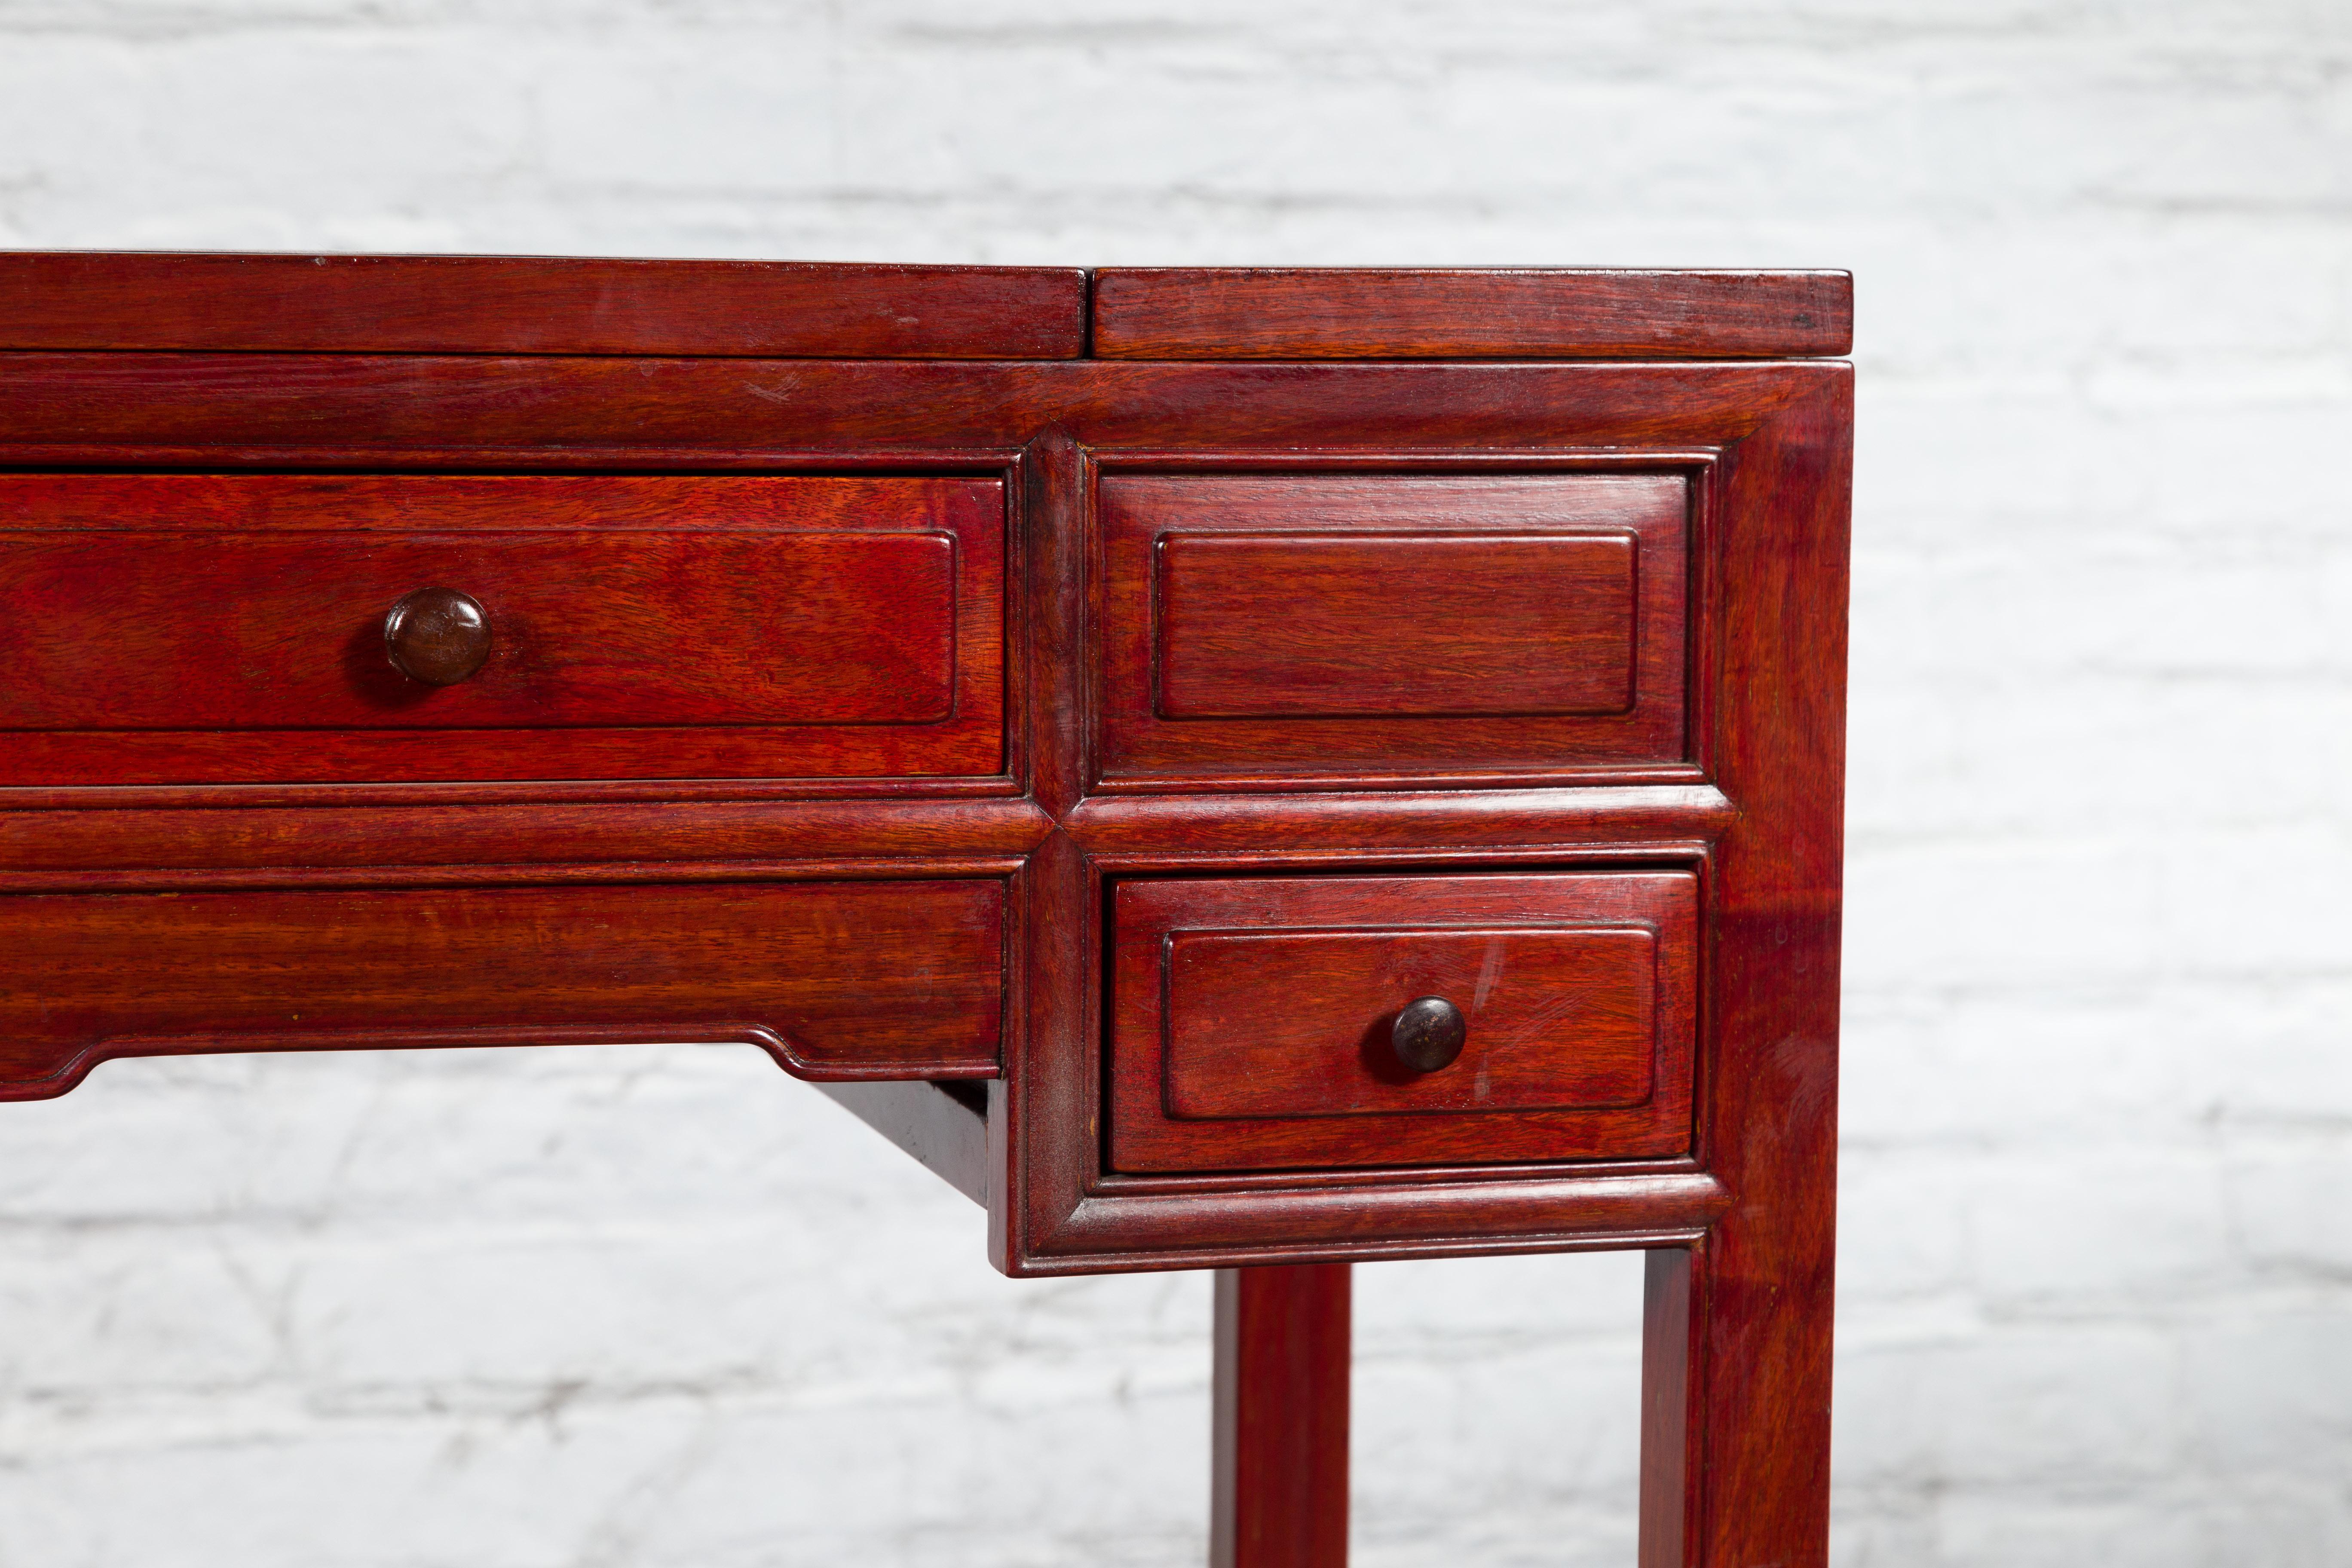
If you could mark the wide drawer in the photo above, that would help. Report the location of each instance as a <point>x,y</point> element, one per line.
<point>1254,1020</point>
<point>230,628</point>
<point>848,980</point>
<point>1306,628</point>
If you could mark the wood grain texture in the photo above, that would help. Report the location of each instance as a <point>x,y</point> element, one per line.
<point>1314,312</point>
<point>1721,430</point>
<point>1044,1126</point>
<point>1248,1019</point>
<point>516,415</point>
<point>1394,625</point>
<point>290,842</point>
<point>837,979</point>
<point>1668,1497</point>
<point>223,627</point>
<point>537,305</point>
<point>1562,1017</point>
<point>1465,418</point>
<point>1474,825</point>
<point>1053,615</point>
<point>1756,1421</point>
<point>1278,1447</point>
<point>1301,625</point>
<point>192,895</point>
<point>239,631</point>
<point>1136,1223</point>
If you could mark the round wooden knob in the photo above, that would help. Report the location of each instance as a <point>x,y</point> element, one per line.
<point>438,635</point>
<point>1429,1033</point>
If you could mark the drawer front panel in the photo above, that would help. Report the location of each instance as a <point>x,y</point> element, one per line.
<point>1267,626</point>
<point>842,979</point>
<point>1252,1031</point>
<point>637,626</point>
<point>1251,1019</point>
<point>598,629</point>
<point>1318,627</point>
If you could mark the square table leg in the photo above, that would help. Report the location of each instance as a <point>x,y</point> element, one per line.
<point>1278,1486</point>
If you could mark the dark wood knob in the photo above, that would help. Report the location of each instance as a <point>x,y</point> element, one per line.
<point>438,635</point>
<point>1429,1033</point>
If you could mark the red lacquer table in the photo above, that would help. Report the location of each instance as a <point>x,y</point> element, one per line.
<point>1237,770</point>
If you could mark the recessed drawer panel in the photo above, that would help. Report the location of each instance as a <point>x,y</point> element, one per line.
<point>216,628</point>
<point>1259,625</point>
<point>1263,1023</point>
<point>840,979</point>
<point>1281,629</point>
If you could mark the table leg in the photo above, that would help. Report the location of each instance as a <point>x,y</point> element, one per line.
<point>1735,1402</point>
<point>1278,1484</point>
<point>1667,1326</point>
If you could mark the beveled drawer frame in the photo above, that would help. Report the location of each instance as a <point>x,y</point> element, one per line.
<point>1698,466</point>
<point>1139,1084</point>
<point>977,678</point>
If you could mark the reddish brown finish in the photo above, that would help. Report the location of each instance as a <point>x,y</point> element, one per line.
<point>538,305</point>
<point>1313,313</point>
<point>1769,447</point>
<point>1071,800</point>
<point>1756,1426</point>
<point>282,843</point>
<point>1256,1025</point>
<point>1667,1498</point>
<point>1251,1217</point>
<point>1482,828</point>
<point>362,412</point>
<point>1278,1454</point>
<point>1315,627</point>
<point>131,631</point>
<point>836,979</point>
<point>637,625</point>
<point>1393,626</point>
<point>1739,433</point>
<point>1250,1018</point>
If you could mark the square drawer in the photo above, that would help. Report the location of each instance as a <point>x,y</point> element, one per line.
<point>1332,627</point>
<point>1256,1021</point>
<point>231,628</point>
